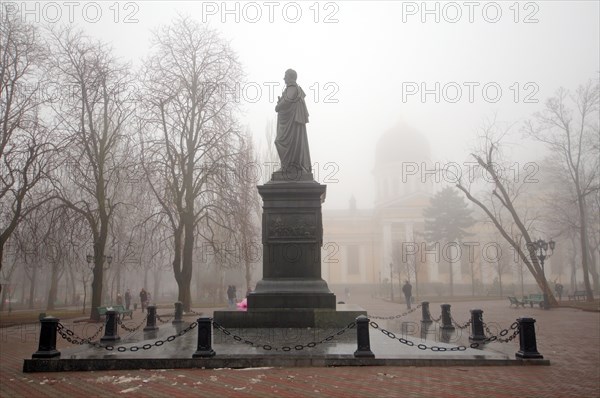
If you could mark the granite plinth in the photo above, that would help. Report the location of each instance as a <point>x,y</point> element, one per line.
<point>289,317</point>
<point>286,293</point>
<point>292,236</point>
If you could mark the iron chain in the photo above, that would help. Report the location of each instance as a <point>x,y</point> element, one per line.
<point>489,339</point>
<point>268,347</point>
<point>72,338</point>
<point>165,321</point>
<point>135,329</point>
<point>464,326</point>
<point>395,316</point>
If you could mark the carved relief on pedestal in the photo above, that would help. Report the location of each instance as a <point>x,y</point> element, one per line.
<point>298,226</point>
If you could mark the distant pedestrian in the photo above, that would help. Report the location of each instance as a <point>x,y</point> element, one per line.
<point>407,290</point>
<point>231,296</point>
<point>144,298</point>
<point>119,299</point>
<point>558,288</point>
<point>127,299</point>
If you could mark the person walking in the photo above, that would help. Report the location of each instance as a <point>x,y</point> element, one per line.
<point>407,290</point>
<point>127,299</point>
<point>143,298</point>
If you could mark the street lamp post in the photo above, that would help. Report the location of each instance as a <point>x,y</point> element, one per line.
<point>391,283</point>
<point>542,246</point>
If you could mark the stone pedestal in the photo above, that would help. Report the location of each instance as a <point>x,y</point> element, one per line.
<point>292,292</point>
<point>292,236</point>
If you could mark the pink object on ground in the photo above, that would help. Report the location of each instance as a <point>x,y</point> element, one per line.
<point>243,305</point>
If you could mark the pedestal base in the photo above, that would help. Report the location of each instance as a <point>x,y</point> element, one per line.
<point>290,317</point>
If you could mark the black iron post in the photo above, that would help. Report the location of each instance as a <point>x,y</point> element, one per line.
<point>178,313</point>
<point>47,344</point>
<point>111,328</point>
<point>362,336</point>
<point>477,326</point>
<point>151,320</point>
<point>446,318</point>
<point>204,348</point>
<point>527,341</point>
<point>425,315</point>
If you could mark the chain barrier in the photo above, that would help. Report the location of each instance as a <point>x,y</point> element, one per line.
<point>167,320</point>
<point>503,332</point>
<point>394,316</point>
<point>286,348</point>
<point>436,320</point>
<point>70,336</point>
<point>135,329</point>
<point>463,326</point>
<point>409,343</point>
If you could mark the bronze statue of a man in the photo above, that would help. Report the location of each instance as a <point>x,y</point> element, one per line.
<point>291,141</point>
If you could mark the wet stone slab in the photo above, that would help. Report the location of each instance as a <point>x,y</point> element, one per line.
<point>239,348</point>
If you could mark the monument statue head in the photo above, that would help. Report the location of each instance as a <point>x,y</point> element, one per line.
<point>290,76</point>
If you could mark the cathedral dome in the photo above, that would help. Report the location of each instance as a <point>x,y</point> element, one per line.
<point>402,144</point>
<point>402,161</point>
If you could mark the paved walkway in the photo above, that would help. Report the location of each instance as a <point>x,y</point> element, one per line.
<point>569,338</point>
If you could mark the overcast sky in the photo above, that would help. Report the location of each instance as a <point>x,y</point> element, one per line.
<point>360,63</point>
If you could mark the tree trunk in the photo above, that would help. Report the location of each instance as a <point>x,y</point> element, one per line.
<point>99,247</point>
<point>500,281</point>
<point>52,291</point>
<point>156,285</point>
<point>32,286</point>
<point>584,244</point>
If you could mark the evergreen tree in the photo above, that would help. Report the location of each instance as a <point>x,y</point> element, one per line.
<point>446,221</point>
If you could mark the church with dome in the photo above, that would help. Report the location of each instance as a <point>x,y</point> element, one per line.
<point>368,248</point>
<point>372,246</point>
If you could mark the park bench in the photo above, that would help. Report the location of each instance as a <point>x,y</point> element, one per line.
<point>118,308</point>
<point>516,302</point>
<point>535,298</point>
<point>578,294</point>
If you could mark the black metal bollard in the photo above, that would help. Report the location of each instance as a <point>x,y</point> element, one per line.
<point>446,318</point>
<point>111,328</point>
<point>426,316</point>
<point>178,313</point>
<point>151,320</point>
<point>47,345</point>
<point>477,326</point>
<point>362,336</point>
<point>204,348</point>
<point>527,341</point>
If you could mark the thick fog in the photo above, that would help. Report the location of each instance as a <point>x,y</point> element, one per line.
<point>396,91</point>
<point>442,68</point>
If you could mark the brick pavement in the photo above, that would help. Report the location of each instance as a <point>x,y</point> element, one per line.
<point>569,338</point>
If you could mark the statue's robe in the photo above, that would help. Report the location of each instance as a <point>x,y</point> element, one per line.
<point>291,141</point>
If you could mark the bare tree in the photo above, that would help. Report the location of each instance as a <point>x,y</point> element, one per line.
<point>91,114</point>
<point>572,135</point>
<point>246,208</point>
<point>25,147</point>
<point>190,133</point>
<point>502,200</point>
